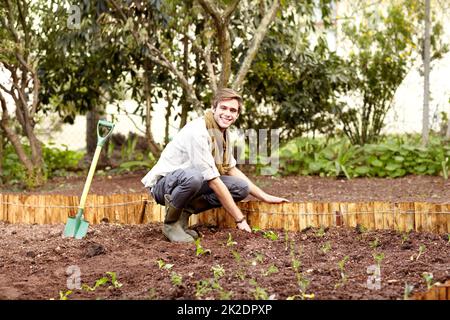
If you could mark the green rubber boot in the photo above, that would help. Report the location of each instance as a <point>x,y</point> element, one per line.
<point>196,206</point>
<point>172,227</point>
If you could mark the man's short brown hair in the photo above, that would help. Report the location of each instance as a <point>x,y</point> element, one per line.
<point>227,94</point>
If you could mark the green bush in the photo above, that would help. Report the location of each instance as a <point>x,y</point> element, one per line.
<point>57,162</point>
<point>394,156</point>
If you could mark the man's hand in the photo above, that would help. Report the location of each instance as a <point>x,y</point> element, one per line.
<point>244,226</point>
<point>272,199</point>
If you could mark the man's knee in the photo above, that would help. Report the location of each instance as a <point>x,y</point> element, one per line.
<point>193,179</point>
<point>239,188</point>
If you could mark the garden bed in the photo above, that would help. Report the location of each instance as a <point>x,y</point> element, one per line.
<point>37,263</point>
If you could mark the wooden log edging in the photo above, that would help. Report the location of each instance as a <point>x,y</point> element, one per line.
<point>437,292</point>
<point>294,216</point>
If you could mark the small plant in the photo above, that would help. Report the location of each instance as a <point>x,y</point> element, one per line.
<point>272,269</point>
<point>270,235</point>
<point>378,258</point>
<point>218,271</point>
<point>405,237</point>
<point>256,229</point>
<point>407,291</point>
<point>360,228</point>
<point>341,266</point>
<point>236,256</point>
<point>326,247</point>
<point>259,293</point>
<point>375,243</point>
<point>428,276</point>
<point>163,265</point>
<point>230,241</point>
<point>176,279</point>
<point>321,232</point>
<point>421,251</point>
<point>102,281</point>
<point>202,287</point>
<point>116,284</point>
<point>64,295</point>
<point>199,250</point>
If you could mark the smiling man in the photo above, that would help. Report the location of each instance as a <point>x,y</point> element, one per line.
<point>197,171</point>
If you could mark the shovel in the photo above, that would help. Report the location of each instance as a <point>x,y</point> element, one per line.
<point>77,227</point>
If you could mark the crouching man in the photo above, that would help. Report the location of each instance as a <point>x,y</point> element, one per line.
<point>197,171</point>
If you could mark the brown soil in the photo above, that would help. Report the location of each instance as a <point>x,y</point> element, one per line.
<point>37,263</point>
<point>34,260</point>
<point>294,188</point>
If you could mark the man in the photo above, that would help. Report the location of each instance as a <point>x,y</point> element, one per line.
<point>197,171</point>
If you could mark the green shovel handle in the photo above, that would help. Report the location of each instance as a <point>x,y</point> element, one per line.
<point>102,139</point>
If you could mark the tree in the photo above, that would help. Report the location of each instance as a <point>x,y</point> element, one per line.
<point>19,58</point>
<point>382,53</point>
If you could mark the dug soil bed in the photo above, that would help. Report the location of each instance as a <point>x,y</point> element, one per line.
<point>37,263</point>
<point>295,188</point>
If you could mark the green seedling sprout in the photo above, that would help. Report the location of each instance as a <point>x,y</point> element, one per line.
<point>199,250</point>
<point>163,265</point>
<point>378,258</point>
<point>102,281</point>
<point>176,279</point>
<point>341,266</point>
<point>405,237</point>
<point>64,295</point>
<point>116,284</point>
<point>375,243</point>
<point>270,235</point>
<point>256,229</point>
<point>218,271</point>
<point>259,293</point>
<point>326,247</point>
<point>421,251</point>
<point>428,276</point>
<point>408,290</point>
<point>321,232</point>
<point>230,241</point>
<point>272,269</point>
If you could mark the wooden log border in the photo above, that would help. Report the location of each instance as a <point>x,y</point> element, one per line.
<point>294,216</point>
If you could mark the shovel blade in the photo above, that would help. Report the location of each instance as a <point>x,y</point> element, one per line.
<point>76,227</point>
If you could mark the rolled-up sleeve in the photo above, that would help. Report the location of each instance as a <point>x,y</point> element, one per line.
<point>201,156</point>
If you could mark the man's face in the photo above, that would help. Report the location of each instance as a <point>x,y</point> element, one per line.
<point>226,113</point>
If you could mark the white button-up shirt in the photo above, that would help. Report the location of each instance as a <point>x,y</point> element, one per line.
<point>191,147</point>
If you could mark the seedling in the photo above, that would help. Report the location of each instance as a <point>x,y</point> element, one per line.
<point>202,287</point>
<point>236,256</point>
<point>375,243</point>
<point>230,241</point>
<point>428,276</point>
<point>341,265</point>
<point>272,269</point>
<point>64,295</point>
<point>360,228</point>
<point>270,235</point>
<point>163,265</point>
<point>176,279</point>
<point>405,237</point>
<point>259,293</point>
<point>321,232</point>
<point>325,248</point>
<point>256,229</point>
<point>199,250</point>
<point>218,271</point>
<point>408,290</point>
<point>102,281</point>
<point>421,250</point>
<point>378,258</point>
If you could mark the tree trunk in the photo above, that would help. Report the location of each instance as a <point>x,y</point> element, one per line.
<point>426,79</point>
<point>92,118</point>
<point>154,147</point>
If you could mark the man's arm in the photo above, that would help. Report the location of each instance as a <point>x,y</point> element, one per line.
<point>254,189</point>
<point>225,198</point>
